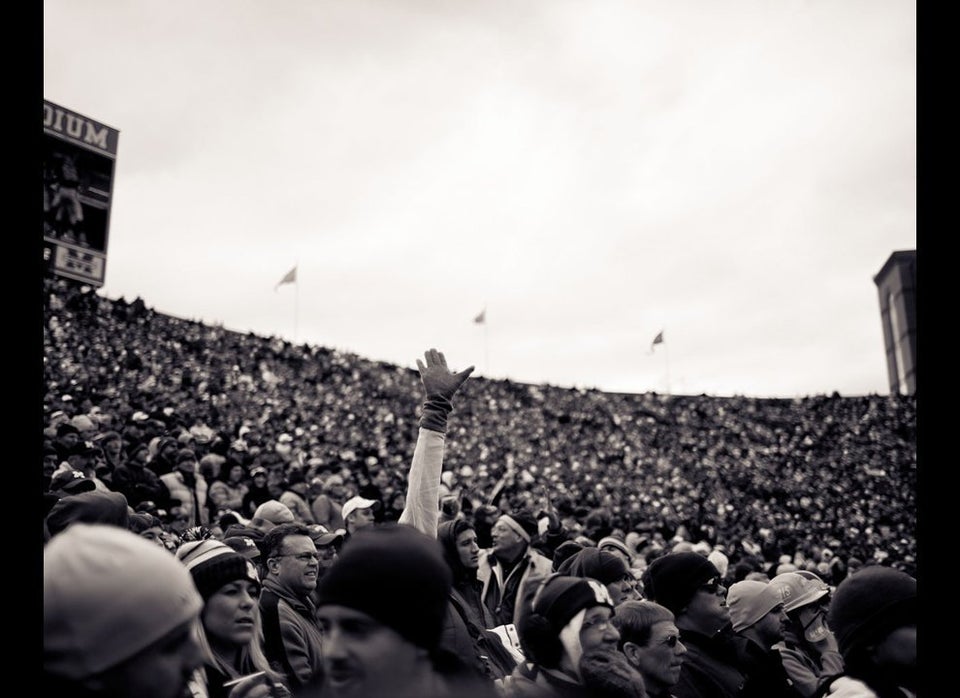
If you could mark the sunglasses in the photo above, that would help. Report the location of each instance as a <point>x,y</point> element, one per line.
<point>670,641</point>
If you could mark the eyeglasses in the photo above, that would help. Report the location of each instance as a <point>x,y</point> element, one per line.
<point>670,641</point>
<point>302,557</point>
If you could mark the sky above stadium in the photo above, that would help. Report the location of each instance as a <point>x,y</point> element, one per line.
<point>588,173</point>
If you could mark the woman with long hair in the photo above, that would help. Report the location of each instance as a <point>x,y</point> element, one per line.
<point>228,629</point>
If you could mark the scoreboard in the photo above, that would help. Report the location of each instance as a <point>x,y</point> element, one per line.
<point>79,155</point>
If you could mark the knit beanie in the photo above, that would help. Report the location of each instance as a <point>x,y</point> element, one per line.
<point>673,579</point>
<point>614,542</point>
<point>870,604</point>
<point>107,595</point>
<point>562,597</point>
<point>749,601</point>
<point>397,576</point>
<point>95,506</point>
<point>213,564</point>
<point>605,567</point>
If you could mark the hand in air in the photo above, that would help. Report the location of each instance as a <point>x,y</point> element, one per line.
<point>437,379</point>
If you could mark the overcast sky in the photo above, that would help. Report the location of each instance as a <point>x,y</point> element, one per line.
<point>591,173</point>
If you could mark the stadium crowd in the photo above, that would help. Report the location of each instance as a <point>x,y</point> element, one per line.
<point>189,434</point>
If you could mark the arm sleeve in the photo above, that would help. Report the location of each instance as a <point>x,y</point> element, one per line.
<point>422,508</point>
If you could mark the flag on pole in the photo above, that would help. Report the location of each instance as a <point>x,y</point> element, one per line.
<point>481,318</point>
<point>289,278</point>
<point>656,340</point>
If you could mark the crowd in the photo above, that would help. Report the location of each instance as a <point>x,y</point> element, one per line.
<point>309,480</point>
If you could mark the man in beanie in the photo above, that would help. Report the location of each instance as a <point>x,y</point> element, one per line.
<point>163,455</point>
<point>689,585</point>
<point>570,643</point>
<point>292,639</point>
<point>756,612</point>
<point>118,614</point>
<point>874,618</point>
<point>381,610</point>
<point>607,568</point>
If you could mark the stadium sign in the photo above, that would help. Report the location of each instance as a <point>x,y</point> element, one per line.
<point>78,166</point>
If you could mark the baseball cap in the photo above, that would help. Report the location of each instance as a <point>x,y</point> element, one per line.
<point>358,502</point>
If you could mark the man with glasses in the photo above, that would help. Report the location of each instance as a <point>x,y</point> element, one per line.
<point>650,640</point>
<point>688,584</point>
<point>292,638</point>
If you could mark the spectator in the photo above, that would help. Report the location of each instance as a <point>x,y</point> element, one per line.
<point>689,586</point>
<point>395,653</point>
<point>163,459</point>
<point>358,513</point>
<point>509,565</point>
<point>258,492</point>
<point>874,617</point>
<point>118,615</point>
<point>228,491</point>
<point>570,643</point>
<point>607,568</point>
<point>650,641</point>
<point>228,627</point>
<point>809,649</point>
<point>757,615</point>
<point>137,482</point>
<point>328,506</point>
<point>295,496</point>
<point>188,489</point>
<point>466,628</point>
<point>292,638</point>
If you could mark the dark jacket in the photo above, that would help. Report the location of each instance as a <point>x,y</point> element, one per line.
<point>467,621</point>
<point>766,677</point>
<point>138,484</point>
<point>710,666</point>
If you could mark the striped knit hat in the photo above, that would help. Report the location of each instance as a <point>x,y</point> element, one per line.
<point>213,564</point>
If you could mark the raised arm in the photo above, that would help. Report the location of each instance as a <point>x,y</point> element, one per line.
<point>440,384</point>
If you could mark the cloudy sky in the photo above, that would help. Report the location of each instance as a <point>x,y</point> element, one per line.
<point>588,172</point>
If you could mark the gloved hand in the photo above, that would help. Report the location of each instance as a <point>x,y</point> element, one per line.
<point>440,385</point>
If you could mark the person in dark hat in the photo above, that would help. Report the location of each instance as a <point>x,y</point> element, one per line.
<point>570,643</point>
<point>873,615</point>
<point>607,568</point>
<point>163,459</point>
<point>93,506</point>
<point>137,482</point>
<point>382,608</point>
<point>68,482</point>
<point>67,437</point>
<point>185,485</point>
<point>689,585</point>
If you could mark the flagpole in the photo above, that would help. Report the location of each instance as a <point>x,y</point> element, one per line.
<point>666,359</point>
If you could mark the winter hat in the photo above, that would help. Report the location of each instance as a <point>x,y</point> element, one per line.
<point>605,567</point>
<point>870,604</point>
<point>65,428</point>
<point>673,579</point>
<point>396,575</point>
<point>565,550</point>
<point>88,507</point>
<point>107,595</point>
<point>244,545</point>
<point>213,564</point>
<point>749,601</point>
<point>612,542</point>
<point>562,597</point>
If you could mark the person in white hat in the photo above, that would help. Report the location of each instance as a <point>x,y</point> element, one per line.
<point>118,615</point>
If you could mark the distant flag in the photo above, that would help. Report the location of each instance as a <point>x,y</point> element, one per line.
<point>289,278</point>
<point>481,318</point>
<point>656,340</point>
